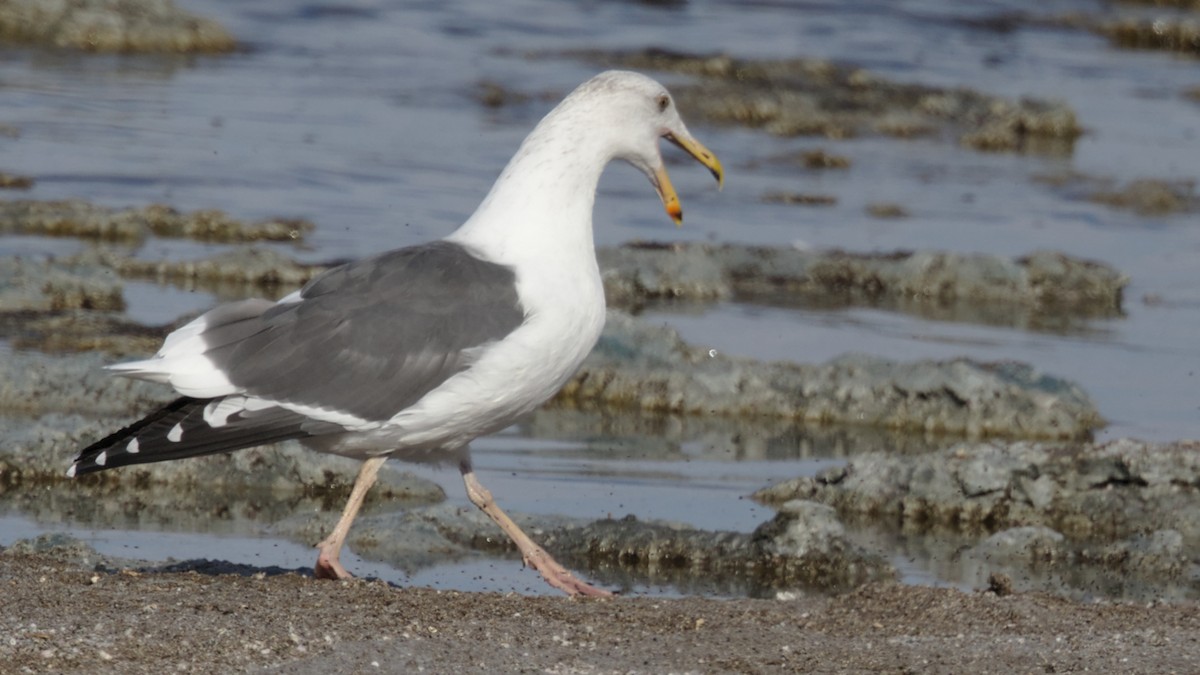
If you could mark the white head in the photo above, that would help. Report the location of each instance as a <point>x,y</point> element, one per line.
<point>546,193</point>
<point>624,114</point>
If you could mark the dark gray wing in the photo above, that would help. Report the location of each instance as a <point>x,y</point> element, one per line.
<point>372,337</point>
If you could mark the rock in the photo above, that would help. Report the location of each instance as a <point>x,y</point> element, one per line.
<point>916,282</point>
<point>1178,34</point>
<point>802,528</point>
<point>1085,491</point>
<point>1020,545</point>
<point>651,368</point>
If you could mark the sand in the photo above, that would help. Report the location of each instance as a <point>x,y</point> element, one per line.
<point>58,617</point>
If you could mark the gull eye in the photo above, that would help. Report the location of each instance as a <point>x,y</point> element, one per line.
<point>664,102</point>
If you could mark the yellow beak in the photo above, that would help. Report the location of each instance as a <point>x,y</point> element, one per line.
<point>662,182</point>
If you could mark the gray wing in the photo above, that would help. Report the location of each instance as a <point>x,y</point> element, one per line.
<point>372,337</point>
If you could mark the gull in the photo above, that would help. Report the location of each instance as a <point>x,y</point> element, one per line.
<point>413,353</point>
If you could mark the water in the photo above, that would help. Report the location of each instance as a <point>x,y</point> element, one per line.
<point>361,116</point>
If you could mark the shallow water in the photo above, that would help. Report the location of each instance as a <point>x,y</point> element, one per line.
<point>361,117</point>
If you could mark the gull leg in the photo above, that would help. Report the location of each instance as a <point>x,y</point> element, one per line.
<point>533,555</point>
<point>330,548</point>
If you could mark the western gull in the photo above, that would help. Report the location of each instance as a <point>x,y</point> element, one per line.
<point>413,353</point>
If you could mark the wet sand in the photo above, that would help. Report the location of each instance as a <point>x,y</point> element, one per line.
<point>73,619</point>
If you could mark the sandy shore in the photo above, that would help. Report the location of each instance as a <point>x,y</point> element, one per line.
<point>58,617</point>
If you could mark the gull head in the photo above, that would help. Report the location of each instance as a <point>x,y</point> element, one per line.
<point>629,113</point>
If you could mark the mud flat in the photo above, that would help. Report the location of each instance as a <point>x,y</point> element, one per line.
<point>84,220</point>
<point>123,26</point>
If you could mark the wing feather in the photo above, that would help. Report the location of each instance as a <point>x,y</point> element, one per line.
<point>368,338</point>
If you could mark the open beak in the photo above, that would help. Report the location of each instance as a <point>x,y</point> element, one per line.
<point>662,182</point>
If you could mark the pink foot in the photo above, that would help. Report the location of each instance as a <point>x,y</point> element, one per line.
<point>572,586</point>
<point>328,567</point>
<point>560,577</point>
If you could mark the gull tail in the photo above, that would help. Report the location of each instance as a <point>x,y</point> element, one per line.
<point>190,427</point>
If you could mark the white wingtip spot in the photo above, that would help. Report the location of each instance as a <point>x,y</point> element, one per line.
<point>133,448</point>
<point>218,412</point>
<point>71,471</point>
<point>176,433</point>
<point>102,458</point>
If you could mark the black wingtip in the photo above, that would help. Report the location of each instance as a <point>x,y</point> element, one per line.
<point>180,430</point>
<point>95,457</point>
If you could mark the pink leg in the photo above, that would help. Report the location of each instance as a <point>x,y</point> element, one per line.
<point>330,548</point>
<point>534,556</point>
